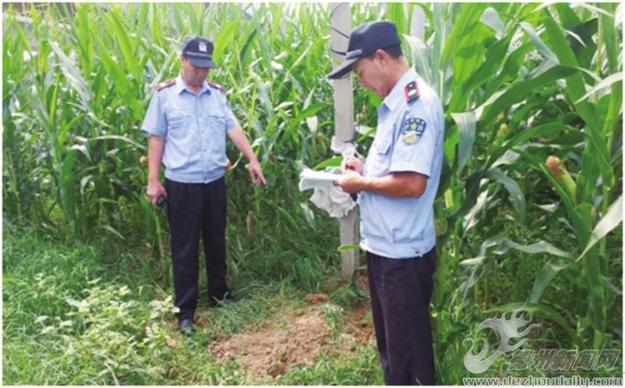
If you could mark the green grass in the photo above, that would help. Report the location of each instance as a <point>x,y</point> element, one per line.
<point>359,369</point>
<point>71,317</point>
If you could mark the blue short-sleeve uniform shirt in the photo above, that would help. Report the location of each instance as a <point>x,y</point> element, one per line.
<point>194,128</point>
<point>409,138</point>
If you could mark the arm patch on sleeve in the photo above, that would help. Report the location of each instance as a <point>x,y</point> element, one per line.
<point>412,128</point>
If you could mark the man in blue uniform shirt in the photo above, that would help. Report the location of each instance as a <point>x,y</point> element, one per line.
<point>187,122</point>
<point>397,185</point>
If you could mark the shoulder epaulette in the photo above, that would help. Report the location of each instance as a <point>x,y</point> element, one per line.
<point>165,84</point>
<point>216,86</point>
<point>411,92</point>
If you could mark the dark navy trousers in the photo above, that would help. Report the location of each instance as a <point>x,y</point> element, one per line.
<point>197,210</point>
<point>400,296</point>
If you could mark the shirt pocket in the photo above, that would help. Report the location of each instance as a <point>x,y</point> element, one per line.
<point>380,158</point>
<point>216,122</point>
<point>216,128</point>
<point>177,121</point>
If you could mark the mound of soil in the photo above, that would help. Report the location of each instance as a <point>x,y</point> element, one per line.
<point>316,298</point>
<point>295,339</point>
<point>273,350</point>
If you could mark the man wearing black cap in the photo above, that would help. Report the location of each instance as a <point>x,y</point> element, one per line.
<point>397,185</point>
<point>187,122</point>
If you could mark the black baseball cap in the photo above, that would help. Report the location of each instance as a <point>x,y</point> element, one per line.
<point>365,40</point>
<point>199,51</point>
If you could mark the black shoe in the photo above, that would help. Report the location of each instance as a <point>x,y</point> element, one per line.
<point>185,326</point>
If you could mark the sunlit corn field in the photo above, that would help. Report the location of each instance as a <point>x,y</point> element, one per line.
<point>528,213</point>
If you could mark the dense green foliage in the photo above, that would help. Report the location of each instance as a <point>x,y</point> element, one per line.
<point>519,82</point>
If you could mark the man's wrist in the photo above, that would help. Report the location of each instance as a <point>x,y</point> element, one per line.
<point>365,184</point>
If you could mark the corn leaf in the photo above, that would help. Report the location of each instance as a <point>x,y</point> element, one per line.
<point>521,89</point>
<point>604,84</point>
<point>514,191</point>
<point>466,128</point>
<point>545,276</point>
<point>612,218</point>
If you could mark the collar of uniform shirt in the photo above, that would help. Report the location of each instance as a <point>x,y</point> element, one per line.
<point>397,93</point>
<point>181,85</point>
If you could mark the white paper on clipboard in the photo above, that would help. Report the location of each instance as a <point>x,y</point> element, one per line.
<point>311,179</point>
<point>326,195</point>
